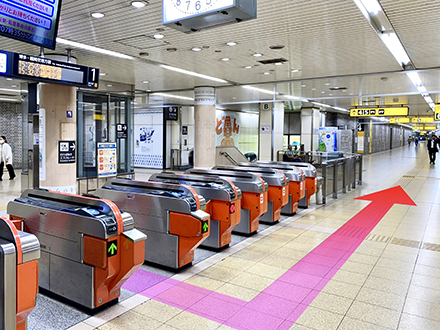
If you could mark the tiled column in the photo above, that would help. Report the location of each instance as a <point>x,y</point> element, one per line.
<point>271,130</point>
<point>204,121</point>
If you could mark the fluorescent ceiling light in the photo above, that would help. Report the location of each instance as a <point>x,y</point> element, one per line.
<point>261,90</point>
<point>372,6</point>
<point>341,109</point>
<point>422,89</point>
<point>267,73</point>
<point>231,43</point>
<point>12,90</point>
<point>11,100</point>
<point>322,105</point>
<point>225,59</point>
<point>145,82</point>
<point>415,78</point>
<point>278,63</point>
<point>97,15</point>
<point>294,70</point>
<point>248,67</point>
<point>395,47</point>
<point>191,73</point>
<point>196,49</point>
<point>9,79</point>
<point>174,96</point>
<point>102,74</point>
<point>258,55</point>
<point>93,49</point>
<point>296,98</point>
<point>158,36</point>
<point>138,4</point>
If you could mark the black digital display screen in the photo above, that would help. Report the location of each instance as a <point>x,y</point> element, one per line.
<point>31,21</point>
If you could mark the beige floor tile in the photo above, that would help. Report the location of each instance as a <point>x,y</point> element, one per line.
<point>253,282</point>
<point>290,253</point>
<point>393,274</point>
<point>350,277</point>
<point>412,322</point>
<point>400,256</point>
<point>278,261</point>
<point>319,319</point>
<point>265,270</point>
<point>425,294</point>
<point>299,327</point>
<point>251,255</point>
<point>342,289</point>
<point>166,327</point>
<point>380,298</point>
<point>357,267</point>
<point>261,247</point>
<point>157,310</point>
<point>288,232</point>
<point>238,292</point>
<point>349,323</point>
<point>236,263</point>
<point>426,281</point>
<point>131,320</point>
<point>301,246</point>
<point>396,264</point>
<point>363,258</point>
<point>220,273</point>
<point>205,282</point>
<point>374,314</point>
<point>186,321</point>
<point>278,240</point>
<point>332,303</point>
<point>225,327</point>
<point>427,270</point>
<point>386,285</point>
<point>370,251</point>
<point>425,309</point>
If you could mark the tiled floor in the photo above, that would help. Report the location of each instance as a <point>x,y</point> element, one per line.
<point>391,281</point>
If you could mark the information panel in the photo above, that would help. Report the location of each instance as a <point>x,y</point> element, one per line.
<point>379,112</point>
<point>422,120</point>
<point>106,159</point>
<point>31,21</point>
<point>399,120</point>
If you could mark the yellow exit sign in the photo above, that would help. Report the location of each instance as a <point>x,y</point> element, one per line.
<point>422,119</point>
<point>403,120</point>
<point>379,112</point>
<point>424,128</point>
<point>437,112</point>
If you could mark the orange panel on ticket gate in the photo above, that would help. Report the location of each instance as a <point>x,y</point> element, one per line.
<point>22,287</point>
<point>223,199</point>
<point>254,196</point>
<point>278,192</point>
<point>311,180</point>
<point>95,245</point>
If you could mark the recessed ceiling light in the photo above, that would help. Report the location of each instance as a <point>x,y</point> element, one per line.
<point>14,86</point>
<point>109,85</point>
<point>336,87</point>
<point>231,43</point>
<point>330,94</point>
<point>344,91</point>
<point>323,92</point>
<point>294,70</point>
<point>313,89</point>
<point>9,79</point>
<point>267,73</point>
<point>225,59</point>
<point>278,63</point>
<point>248,67</point>
<point>258,55</point>
<point>158,36</point>
<point>196,49</point>
<point>97,15</point>
<point>145,82</point>
<point>138,4</point>
<point>303,85</point>
<point>148,90</point>
<point>102,74</point>
<point>327,84</point>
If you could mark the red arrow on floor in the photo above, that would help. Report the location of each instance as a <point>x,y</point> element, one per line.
<point>281,304</point>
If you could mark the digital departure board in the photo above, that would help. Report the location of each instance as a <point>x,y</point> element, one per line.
<point>42,69</point>
<point>379,112</point>
<point>31,21</point>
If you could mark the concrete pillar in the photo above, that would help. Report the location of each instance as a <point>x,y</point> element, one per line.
<point>310,120</point>
<point>204,121</point>
<point>57,123</point>
<point>271,130</point>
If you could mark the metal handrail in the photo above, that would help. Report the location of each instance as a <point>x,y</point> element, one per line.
<point>130,175</point>
<point>229,157</point>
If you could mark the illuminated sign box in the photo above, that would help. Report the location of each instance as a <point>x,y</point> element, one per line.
<point>31,21</point>
<point>3,62</point>
<point>379,112</point>
<point>193,15</point>
<point>422,120</point>
<point>437,112</point>
<point>399,120</point>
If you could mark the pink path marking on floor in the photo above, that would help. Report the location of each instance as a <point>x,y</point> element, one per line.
<point>281,304</point>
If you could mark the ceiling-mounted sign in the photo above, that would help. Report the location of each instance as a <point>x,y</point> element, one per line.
<point>193,15</point>
<point>422,120</point>
<point>379,112</point>
<point>437,112</point>
<point>424,128</point>
<point>404,120</point>
<point>31,21</point>
<point>171,113</point>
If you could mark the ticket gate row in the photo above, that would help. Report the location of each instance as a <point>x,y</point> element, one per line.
<point>169,214</point>
<point>19,252</point>
<point>89,248</point>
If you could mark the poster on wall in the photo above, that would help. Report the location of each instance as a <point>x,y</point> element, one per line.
<point>328,139</point>
<point>360,142</point>
<point>148,139</point>
<point>106,159</point>
<point>42,143</point>
<point>227,129</point>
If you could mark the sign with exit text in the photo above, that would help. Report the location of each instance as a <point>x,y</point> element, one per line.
<point>379,112</point>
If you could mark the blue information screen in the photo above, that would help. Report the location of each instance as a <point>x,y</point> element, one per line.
<point>31,21</point>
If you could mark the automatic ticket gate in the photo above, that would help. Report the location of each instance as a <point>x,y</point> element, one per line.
<point>19,252</point>
<point>89,247</point>
<point>170,214</point>
<point>254,196</point>
<point>223,198</point>
<point>278,195</point>
<point>311,178</point>
<point>297,186</point>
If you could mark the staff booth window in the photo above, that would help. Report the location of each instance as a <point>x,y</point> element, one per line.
<point>98,116</point>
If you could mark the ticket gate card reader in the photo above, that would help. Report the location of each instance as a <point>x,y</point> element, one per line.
<point>223,199</point>
<point>170,214</point>
<point>19,252</point>
<point>278,195</point>
<point>297,184</point>
<point>89,247</point>
<point>254,196</point>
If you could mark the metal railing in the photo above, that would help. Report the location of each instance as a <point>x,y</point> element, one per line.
<point>229,157</point>
<point>87,185</point>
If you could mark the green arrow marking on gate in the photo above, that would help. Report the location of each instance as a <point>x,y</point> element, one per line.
<point>112,249</point>
<point>205,227</point>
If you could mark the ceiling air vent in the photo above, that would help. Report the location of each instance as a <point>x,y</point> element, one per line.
<point>273,61</point>
<point>337,88</point>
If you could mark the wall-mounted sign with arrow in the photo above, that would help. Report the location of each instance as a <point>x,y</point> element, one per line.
<point>66,152</point>
<point>112,248</point>
<point>121,131</point>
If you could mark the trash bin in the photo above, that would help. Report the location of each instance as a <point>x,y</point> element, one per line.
<point>319,190</point>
